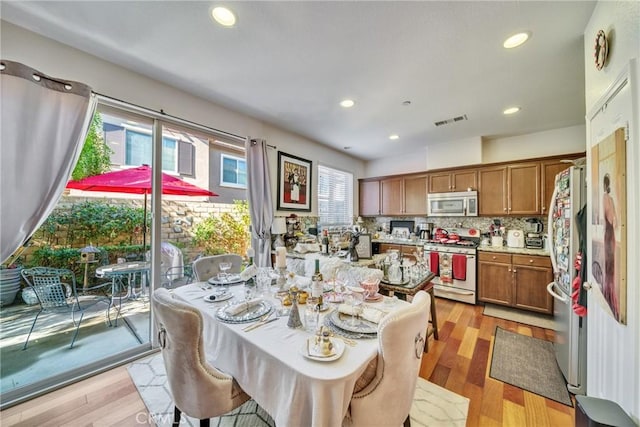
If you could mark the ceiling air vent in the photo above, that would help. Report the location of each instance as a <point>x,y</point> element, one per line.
<point>452,120</point>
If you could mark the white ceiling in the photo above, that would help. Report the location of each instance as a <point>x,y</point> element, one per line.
<point>290,63</point>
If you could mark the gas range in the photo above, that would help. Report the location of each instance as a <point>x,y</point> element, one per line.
<point>454,263</point>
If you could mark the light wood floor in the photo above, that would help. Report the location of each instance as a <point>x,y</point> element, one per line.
<point>458,361</point>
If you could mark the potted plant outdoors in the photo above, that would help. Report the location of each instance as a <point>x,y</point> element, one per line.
<point>10,283</point>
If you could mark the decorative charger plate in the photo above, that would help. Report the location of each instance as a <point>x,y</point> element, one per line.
<point>249,315</point>
<point>218,296</point>
<point>308,351</point>
<point>361,326</point>
<point>233,278</point>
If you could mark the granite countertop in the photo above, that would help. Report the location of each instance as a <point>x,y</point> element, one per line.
<point>407,242</point>
<point>361,262</point>
<point>508,250</point>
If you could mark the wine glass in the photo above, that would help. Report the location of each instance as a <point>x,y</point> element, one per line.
<point>354,297</point>
<point>224,266</point>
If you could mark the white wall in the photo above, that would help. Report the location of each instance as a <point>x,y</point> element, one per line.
<point>613,364</point>
<point>540,144</point>
<point>58,60</point>
<point>473,151</point>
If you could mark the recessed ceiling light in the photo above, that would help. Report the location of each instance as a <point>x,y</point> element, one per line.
<point>516,40</point>
<point>406,103</point>
<point>511,110</point>
<point>393,137</point>
<point>223,16</point>
<point>347,103</point>
<point>347,148</point>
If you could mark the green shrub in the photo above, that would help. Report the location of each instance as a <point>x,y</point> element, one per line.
<point>227,233</point>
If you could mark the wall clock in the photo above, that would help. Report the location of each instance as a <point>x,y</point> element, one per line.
<point>600,50</point>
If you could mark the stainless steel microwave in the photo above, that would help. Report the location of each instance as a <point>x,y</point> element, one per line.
<point>464,203</point>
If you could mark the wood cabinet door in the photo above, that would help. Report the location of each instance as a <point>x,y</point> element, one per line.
<point>384,247</point>
<point>440,182</point>
<point>492,191</point>
<point>549,171</point>
<point>391,196</point>
<point>369,198</point>
<point>462,180</point>
<point>495,283</point>
<point>524,189</point>
<point>415,195</point>
<point>531,288</point>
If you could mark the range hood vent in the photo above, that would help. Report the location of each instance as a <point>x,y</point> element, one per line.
<point>452,120</point>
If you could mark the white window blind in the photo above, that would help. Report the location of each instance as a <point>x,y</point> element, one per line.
<point>335,197</point>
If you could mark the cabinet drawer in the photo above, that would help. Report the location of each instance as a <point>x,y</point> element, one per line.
<point>533,260</point>
<point>494,257</point>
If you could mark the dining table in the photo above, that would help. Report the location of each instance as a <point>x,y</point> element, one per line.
<point>271,363</point>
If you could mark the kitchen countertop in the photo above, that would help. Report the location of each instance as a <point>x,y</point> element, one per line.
<point>407,242</point>
<point>508,250</point>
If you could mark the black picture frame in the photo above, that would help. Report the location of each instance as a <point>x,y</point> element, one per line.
<point>294,171</point>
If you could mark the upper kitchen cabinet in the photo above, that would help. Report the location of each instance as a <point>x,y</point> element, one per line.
<point>445,182</point>
<point>400,195</point>
<point>550,169</point>
<point>370,198</point>
<point>415,195</point>
<point>510,189</point>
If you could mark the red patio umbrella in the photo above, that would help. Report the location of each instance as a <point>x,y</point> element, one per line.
<point>137,181</point>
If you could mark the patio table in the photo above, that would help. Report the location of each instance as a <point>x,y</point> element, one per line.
<point>124,275</point>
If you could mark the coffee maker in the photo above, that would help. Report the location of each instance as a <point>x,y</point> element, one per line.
<point>534,237</point>
<point>425,231</point>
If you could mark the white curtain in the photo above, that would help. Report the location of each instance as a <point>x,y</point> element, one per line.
<point>260,201</point>
<point>44,123</point>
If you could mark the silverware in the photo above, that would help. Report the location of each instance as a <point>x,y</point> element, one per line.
<point>258,324</point>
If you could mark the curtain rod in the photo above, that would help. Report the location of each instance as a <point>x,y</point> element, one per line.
<point>145,110</point>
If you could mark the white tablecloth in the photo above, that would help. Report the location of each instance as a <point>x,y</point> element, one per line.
<point>268,364</point>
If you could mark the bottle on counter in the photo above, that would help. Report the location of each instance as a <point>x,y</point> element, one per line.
<point>317,286</point>
<point>325,242</point>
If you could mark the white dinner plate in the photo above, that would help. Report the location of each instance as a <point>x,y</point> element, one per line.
<point>233,278</point>
<point>307,349</point>
<point>222,296</point>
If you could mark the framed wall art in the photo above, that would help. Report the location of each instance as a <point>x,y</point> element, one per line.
<point>364,246</point>
<point>294,183</point>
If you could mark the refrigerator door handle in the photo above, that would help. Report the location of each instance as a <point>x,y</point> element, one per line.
<point>550,240</point>
<point>562,298</point>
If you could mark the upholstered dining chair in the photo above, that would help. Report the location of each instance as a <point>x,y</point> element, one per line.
<point>198,389</point>
<point>401,336</point>
<point>206,267</point>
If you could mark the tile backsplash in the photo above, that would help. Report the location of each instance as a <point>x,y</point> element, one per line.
<point>482,223</point>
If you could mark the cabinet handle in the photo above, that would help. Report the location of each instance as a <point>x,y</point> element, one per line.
<point>509,269</point>
<point>530,260</point>
<point>493,257</point>
<point>514,271</point>
<point>505,209</point>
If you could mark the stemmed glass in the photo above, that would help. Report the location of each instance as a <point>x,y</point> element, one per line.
<point>224,266</point>
<point>355,299</point>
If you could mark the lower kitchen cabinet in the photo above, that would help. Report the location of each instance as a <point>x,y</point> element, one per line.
<point>406,251</point>
<point>515,280</point>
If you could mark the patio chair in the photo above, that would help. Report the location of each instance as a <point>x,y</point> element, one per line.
<point>206,267</point>
<point>56,291</point>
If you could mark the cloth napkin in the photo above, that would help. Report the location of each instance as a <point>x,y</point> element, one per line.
<point>371,314</point>
<point>244,306</point>
<point>302,281</point>
<point>248,273</point>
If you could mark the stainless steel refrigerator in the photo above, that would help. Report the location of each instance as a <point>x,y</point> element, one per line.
<point>569,196</point>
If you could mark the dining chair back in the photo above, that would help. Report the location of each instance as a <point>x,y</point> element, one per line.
<point>199,389</point>
<point>401,336</point>
<point>56,291</point>
<point>206,267</point>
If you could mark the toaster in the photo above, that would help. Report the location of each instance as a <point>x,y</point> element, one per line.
<point>515,239</point>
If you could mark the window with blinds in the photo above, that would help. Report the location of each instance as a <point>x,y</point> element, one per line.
<point>335,197</point>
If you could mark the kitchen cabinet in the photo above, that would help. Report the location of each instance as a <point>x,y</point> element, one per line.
<point>406,251</point>
<point>518,281</point>
<point>510,189</point>
<point>549,171</point>
<point>369,198</point>
<point>401,195</point>
<point>459,180</point>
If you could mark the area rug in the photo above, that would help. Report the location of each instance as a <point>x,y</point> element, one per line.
<point>520,316</point>
<point>433,405</point>
<point>528,363</point>
<point>150,379</point>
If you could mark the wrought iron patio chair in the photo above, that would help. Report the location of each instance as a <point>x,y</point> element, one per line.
<point>57,292</point>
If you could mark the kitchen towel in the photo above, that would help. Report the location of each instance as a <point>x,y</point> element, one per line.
<point>434,262</point>
<point>459,267</point>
